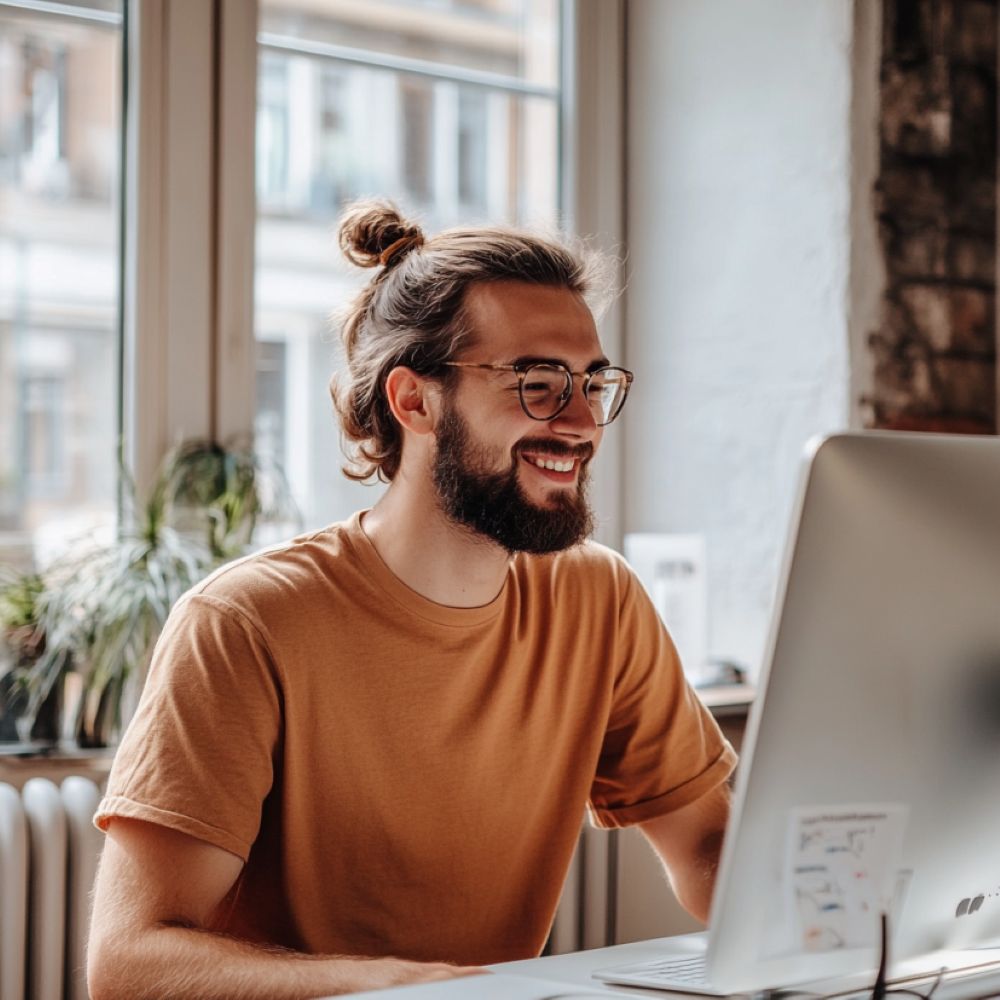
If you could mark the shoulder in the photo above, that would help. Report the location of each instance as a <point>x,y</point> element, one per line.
<point>293,572</point>
<point>590,557</point>
<point>586,568</point>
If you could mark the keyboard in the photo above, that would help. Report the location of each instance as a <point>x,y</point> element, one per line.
<point>682,974</point>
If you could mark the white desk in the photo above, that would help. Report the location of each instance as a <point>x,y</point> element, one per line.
<point>567,977</point>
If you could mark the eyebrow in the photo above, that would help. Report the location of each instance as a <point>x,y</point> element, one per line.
<point>530,359</point>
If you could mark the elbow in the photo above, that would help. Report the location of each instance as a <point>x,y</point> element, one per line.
<point>695,890</point>
<point>696,899</point>
<point>99,986</point>
<point>108,969</point>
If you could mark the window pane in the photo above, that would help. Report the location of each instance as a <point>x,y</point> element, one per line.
<point>330,130</point>
<point>515,38</point>
<point>59,151</point>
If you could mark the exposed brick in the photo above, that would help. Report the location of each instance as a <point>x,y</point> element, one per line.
<point>974,203</point>
<point>971,258</point>
<point>928,424</point>
<point>904,384</point>
<point>916,120</point>
<point>967,387</point>
<point>949,319</point>
<point>973,327</point>
<point>974,103</point>
<point>934,353</point>
<point>912,192</point>
<point>975,39</point>
<point>921,252</point>
<point>929,311</point>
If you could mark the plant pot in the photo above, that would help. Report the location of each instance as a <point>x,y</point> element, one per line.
<point>18,724</point>
<point>98,715</point>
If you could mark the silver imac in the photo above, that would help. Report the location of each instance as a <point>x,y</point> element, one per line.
<point>870,774</point>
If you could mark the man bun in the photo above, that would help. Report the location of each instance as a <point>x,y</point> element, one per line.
<point>373,233</point>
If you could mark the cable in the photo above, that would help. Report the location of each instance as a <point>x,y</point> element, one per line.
<point>879,989</point>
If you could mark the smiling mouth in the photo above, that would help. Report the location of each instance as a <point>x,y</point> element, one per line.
<point>562,469</point>
<point>552,464</point>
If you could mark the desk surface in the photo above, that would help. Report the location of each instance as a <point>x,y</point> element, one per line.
<point>568,977</point>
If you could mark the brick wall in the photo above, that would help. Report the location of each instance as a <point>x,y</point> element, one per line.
<point>934,352</point>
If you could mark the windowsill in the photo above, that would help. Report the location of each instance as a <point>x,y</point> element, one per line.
<point>729,699</point>
<point>12,752</point>
<point>20,762</point>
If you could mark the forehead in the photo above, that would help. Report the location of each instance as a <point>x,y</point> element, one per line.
<point>513,319</point>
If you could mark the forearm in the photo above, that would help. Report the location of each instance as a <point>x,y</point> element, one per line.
<point>173,962</point>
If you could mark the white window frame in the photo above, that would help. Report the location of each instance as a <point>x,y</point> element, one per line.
<point>189,242</point>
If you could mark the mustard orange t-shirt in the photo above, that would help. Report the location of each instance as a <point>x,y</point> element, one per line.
<point>403,778</point>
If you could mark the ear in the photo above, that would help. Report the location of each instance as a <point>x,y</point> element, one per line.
<point>413,399</point>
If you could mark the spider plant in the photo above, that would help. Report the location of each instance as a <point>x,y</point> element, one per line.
<point>103,606</point>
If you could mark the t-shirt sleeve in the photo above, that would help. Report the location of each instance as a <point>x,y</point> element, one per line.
<point>198,756</point>
<point>662,749</point>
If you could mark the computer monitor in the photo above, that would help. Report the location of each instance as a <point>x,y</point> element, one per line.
<point>870,773</point>
<point>871,768</point>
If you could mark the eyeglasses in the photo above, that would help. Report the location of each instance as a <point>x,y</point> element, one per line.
<point>545,389</point>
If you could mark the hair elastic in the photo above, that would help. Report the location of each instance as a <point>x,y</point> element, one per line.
<point>399,247</point>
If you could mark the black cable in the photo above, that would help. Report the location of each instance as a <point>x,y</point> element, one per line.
<point>879,988</point>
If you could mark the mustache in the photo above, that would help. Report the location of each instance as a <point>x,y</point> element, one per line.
<point>583,451</point>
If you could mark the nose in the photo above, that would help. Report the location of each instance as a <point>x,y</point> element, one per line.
<point>577,418</point>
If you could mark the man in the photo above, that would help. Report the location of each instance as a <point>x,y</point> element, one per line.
<point>362,758</point>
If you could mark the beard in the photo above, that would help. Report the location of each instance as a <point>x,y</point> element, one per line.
<point>494,505</point>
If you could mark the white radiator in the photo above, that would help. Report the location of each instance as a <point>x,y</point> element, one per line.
<point>48,858</point>
<point>584,918</point>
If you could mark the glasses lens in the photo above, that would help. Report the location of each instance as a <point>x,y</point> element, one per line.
<point>606,393</point>
<point>544,389</point>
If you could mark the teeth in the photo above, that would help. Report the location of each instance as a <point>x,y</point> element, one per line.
<point>547,463</point>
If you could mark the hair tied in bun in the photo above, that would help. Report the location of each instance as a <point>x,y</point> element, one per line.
<point>397,250</point>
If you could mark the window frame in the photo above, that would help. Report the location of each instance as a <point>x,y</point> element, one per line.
<point>188,244</point>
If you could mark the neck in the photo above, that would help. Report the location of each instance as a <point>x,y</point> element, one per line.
<point>429,553</point>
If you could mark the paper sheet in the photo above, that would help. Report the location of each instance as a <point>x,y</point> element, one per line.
<point>841,870</point>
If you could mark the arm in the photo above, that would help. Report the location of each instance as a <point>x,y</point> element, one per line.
<point>156,893</point>
<point>688,842</point>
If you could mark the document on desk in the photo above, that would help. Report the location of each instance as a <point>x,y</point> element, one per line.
<point>499,986</point>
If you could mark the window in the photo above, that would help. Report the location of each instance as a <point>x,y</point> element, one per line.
<point>60,92</point>
<point>451,109</point>
<point>272,133</point>
<point>416,154</point>
<point>473,133</point>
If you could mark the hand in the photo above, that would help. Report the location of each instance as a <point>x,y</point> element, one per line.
<point>402,973</point>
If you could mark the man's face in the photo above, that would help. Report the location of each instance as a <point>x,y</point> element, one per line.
<point>490,468</point>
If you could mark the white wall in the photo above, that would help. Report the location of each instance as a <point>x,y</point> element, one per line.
<point>738,229</point>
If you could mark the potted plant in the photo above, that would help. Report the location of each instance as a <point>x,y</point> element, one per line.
<point>102,607</point>
<point>22,644</point>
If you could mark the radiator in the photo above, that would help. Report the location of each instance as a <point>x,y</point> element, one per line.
<point>585,916</point>
<point>48,859</point>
